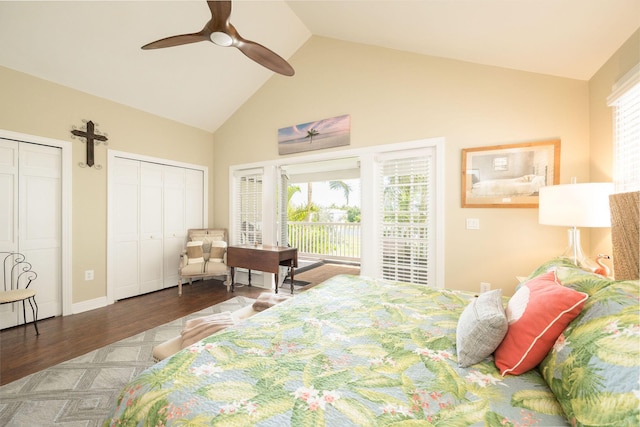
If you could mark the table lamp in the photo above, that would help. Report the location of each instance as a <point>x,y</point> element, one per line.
<point>576,205</point>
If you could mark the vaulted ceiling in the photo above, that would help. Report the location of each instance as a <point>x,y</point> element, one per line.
<point>94,46</point>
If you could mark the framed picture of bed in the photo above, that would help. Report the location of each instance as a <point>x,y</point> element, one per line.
<point>509,176</point>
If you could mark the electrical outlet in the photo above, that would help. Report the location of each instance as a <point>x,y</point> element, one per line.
<point>88,275</point>
<point>485,286</point>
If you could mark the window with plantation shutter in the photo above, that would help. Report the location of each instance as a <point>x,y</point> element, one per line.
<point>625,100</point>
<point>247,210</point>
<point>402,203</point>
<point>405,217</point>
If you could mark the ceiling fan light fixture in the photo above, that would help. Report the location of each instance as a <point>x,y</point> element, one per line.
<point>221,39</point>
<point>221,33</point>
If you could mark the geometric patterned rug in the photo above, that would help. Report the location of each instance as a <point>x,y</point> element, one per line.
<point>81,391</point>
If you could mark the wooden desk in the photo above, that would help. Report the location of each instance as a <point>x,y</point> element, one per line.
<point>262,258</point>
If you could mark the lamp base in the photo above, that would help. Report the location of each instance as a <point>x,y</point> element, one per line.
<point>575,254</point>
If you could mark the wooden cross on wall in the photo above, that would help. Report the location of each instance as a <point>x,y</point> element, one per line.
<point>92,137</point>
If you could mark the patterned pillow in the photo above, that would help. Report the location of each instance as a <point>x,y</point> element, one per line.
<point>537,313</point>
<point>481,328</point>
<point>194,252</point>
<point>212,236</point>
<point>551,265</point>
<point>594,366</point>
<point>218,248</point>
<point>573,276</point>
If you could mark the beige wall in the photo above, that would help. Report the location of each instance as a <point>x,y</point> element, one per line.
<point>395,96</point>
<point>601,125</point>
<point>392,97</point>
<point>37,107</point>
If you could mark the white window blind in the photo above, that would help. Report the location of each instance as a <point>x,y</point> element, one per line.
<point>405,219</point>
<point>626,122</point>
<point>283,202</point>
<point>248,214</point>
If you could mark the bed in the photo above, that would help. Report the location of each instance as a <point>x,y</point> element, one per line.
<point>525,185</point>
<point>361,351</point>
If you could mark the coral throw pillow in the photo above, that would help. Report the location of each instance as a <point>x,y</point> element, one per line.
<point>537,314</point>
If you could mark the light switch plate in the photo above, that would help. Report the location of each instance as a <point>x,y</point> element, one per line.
<point>473,224</point>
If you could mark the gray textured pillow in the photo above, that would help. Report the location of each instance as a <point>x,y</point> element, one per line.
<point>481,328</point>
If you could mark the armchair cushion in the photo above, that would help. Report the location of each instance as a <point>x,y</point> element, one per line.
<point>207,268</point>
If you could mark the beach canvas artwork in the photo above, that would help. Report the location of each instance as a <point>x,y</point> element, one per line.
<point>318,135</point>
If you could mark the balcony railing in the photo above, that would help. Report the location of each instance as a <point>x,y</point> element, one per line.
<point>326,239</point>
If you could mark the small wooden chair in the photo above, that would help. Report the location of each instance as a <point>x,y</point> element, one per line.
<point>17,277</point>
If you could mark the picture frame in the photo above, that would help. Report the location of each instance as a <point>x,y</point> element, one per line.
<point>317,135</point>
<point>509,176</point>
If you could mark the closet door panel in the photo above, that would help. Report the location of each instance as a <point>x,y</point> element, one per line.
<point>174,191</point>
<point>8,217</point>
<point>40,222</point>
<point>194,197</point>
<point>126,274</point>
<point>151,265</point>
<point>9,191</point>
<point>174,222</point>
<point>126,228</point>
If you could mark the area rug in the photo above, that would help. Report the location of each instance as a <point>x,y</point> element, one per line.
<point>81,391</point>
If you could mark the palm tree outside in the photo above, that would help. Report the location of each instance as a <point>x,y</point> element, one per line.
<point>319,213</point>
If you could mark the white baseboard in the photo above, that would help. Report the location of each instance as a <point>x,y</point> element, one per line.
<point>89,305</point>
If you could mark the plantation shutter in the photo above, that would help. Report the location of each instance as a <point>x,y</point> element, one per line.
<point>626,102</point>
<point>405,217</point>
<point>247,212</point>
<point>283,202</point>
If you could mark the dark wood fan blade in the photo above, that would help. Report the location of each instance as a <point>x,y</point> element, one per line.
<point>265,57</point>
<point>220,12</point>
<point>219,23</point>
<point>177,40</point>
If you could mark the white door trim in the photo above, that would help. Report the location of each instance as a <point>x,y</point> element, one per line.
<point>66,254</point>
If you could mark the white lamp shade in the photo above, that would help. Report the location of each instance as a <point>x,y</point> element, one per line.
<point>576,205</point>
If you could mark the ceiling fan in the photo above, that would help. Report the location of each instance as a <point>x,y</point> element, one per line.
<point>222,33</point>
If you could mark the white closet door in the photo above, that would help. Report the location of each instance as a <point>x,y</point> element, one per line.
<point>175,230</point>
<point>152,204</point>
<point>151,241</point>
<point>40,222</point>
<point>8,217</point>
<point>31,223</point>
<point>126,228</point>
<point>194,199</point>
<point>9,191</point>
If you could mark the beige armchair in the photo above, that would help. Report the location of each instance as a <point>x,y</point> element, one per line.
<point>205,256</point>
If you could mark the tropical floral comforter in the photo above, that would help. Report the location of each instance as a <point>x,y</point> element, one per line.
<point>352,351</point>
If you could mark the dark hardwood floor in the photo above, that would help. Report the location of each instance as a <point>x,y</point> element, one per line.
<point>63,338</point>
